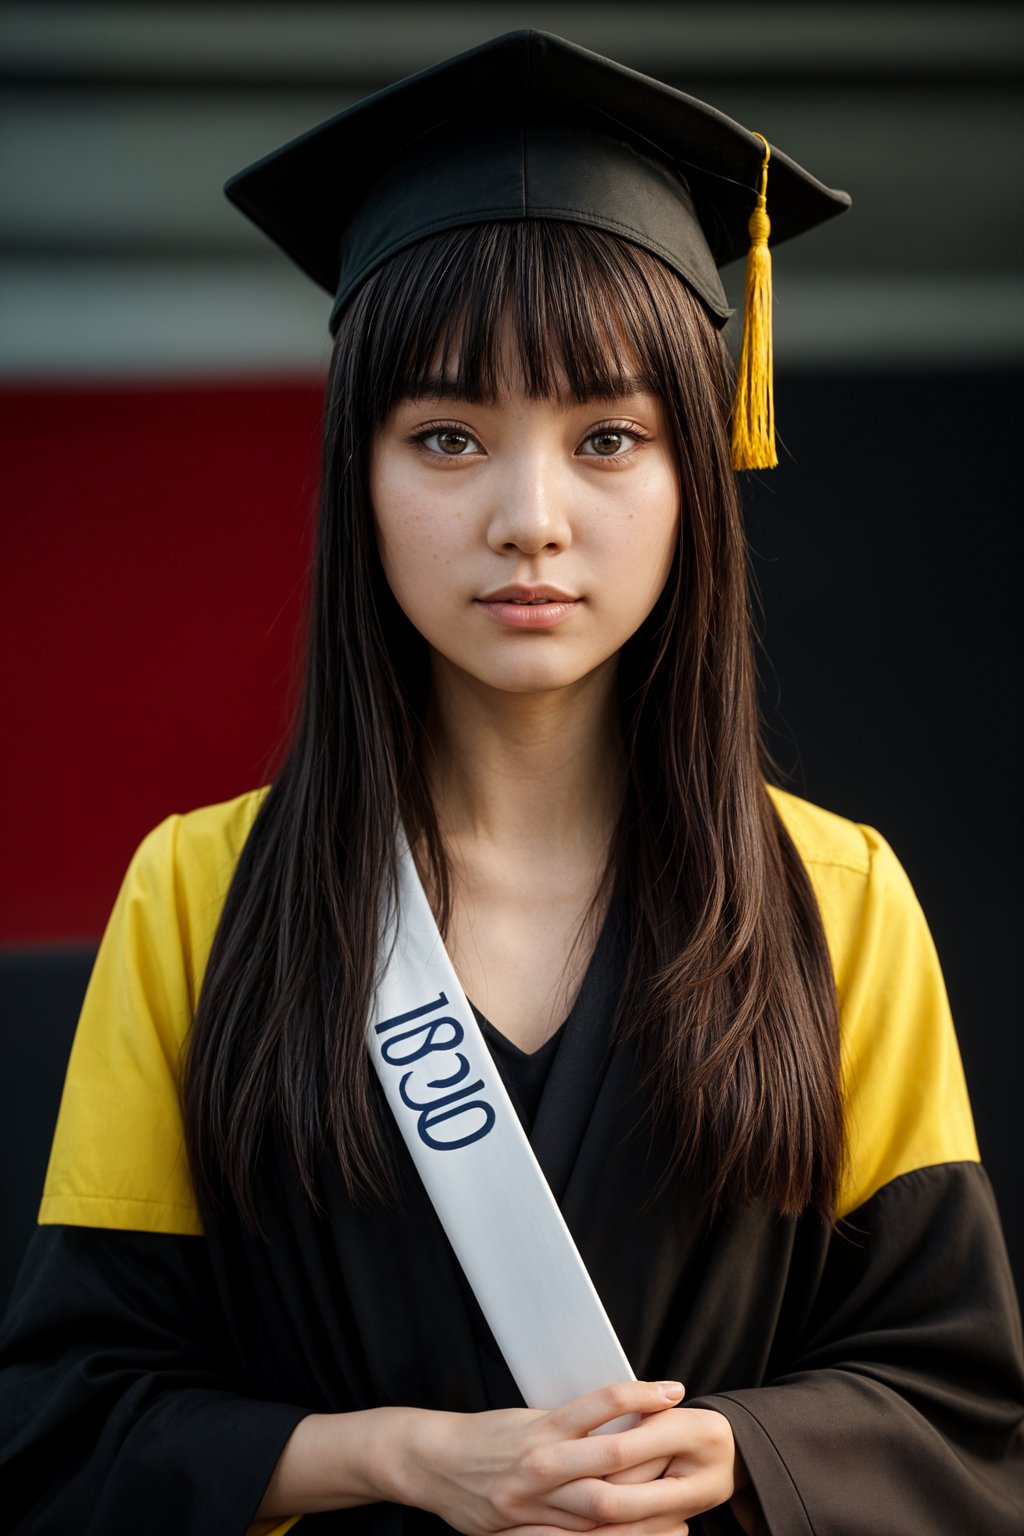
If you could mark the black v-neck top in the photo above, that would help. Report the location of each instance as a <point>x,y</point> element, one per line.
<point>525,1073</point>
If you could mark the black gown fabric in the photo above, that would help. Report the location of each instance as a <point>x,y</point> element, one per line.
<point>524,1073</point>
<point>871,1373</point>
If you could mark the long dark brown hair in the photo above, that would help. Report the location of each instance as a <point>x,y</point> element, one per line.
<point>730,986</point>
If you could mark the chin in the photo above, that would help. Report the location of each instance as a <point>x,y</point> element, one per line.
<point>533,675</point>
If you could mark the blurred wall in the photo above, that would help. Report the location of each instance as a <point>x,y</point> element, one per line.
<point>121,123</point>
<point>160,378</point>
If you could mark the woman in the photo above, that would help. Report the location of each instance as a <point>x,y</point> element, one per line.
<point>717,1008</point>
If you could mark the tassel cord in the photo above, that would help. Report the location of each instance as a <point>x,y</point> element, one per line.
<point>753,427</point>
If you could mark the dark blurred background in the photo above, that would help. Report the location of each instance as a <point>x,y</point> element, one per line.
<point>160,382</point>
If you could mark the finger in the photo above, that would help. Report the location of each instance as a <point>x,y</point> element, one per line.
<point>587,1413</point>
<point>643,1472</point>
<point>627,1504</point>
<point>567,1521</point>
<point>659,1437</point>
<point>659,1525</point>
<point>537,1530</point>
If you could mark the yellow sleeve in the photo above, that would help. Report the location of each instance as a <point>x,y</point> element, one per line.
<point>906,1104</point>
<point>118,1156</point>
<point>906,1097</point>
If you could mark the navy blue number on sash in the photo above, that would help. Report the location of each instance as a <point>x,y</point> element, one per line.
<point>425,1037</point>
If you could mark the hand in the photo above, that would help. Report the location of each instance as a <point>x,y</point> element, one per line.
<point>535,1472</point>
<point>695,1455</point>
<point>520,1470</point>
<point>744,1501</point>
<point>713,1454</point>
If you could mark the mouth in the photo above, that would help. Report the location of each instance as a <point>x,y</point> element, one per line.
<point>521,596</point>
<point>529,609</point>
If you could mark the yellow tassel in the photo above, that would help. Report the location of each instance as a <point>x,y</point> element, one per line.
<point>753,416</point>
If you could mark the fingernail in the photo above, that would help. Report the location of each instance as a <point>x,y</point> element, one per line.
<point>671,1389</point>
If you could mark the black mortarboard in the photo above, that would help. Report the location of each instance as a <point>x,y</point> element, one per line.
<point>529,126</point>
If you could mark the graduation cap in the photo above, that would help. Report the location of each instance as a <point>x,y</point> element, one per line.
<point>529,126</point>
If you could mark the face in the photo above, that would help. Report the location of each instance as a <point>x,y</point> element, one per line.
<point>526,540</point>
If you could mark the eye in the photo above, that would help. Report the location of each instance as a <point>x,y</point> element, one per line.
<point>449,440</point>
<point>613,440</point>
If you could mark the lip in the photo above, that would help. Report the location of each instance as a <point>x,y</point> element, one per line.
<point>530,608</point>
<point>519,592</point>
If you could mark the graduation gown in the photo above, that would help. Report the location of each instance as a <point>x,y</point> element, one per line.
<point>152,1371</point>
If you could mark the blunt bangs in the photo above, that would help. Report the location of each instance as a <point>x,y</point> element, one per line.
<point>555,310</point>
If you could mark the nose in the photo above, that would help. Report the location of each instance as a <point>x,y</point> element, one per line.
<point>528,513</point>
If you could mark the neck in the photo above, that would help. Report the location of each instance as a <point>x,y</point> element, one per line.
<point>533,774</point>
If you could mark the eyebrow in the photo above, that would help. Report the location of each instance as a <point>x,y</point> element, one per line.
<point>438,387</point>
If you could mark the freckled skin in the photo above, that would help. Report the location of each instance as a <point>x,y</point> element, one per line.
<point>526,491</point>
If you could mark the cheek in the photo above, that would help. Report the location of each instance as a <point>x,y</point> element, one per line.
<point>407,534</point>
<point>647,537</point>
<point>417,539</point>
<point>418,552</point>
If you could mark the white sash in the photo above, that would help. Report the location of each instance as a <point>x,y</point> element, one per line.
<point>480,1171</point>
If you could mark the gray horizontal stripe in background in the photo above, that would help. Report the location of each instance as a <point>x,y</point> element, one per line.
<point>156,319</point>
<point>385,40</point>
<point>118,251</point>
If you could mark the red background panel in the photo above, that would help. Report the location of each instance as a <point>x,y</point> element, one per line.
<point>156,547</point>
